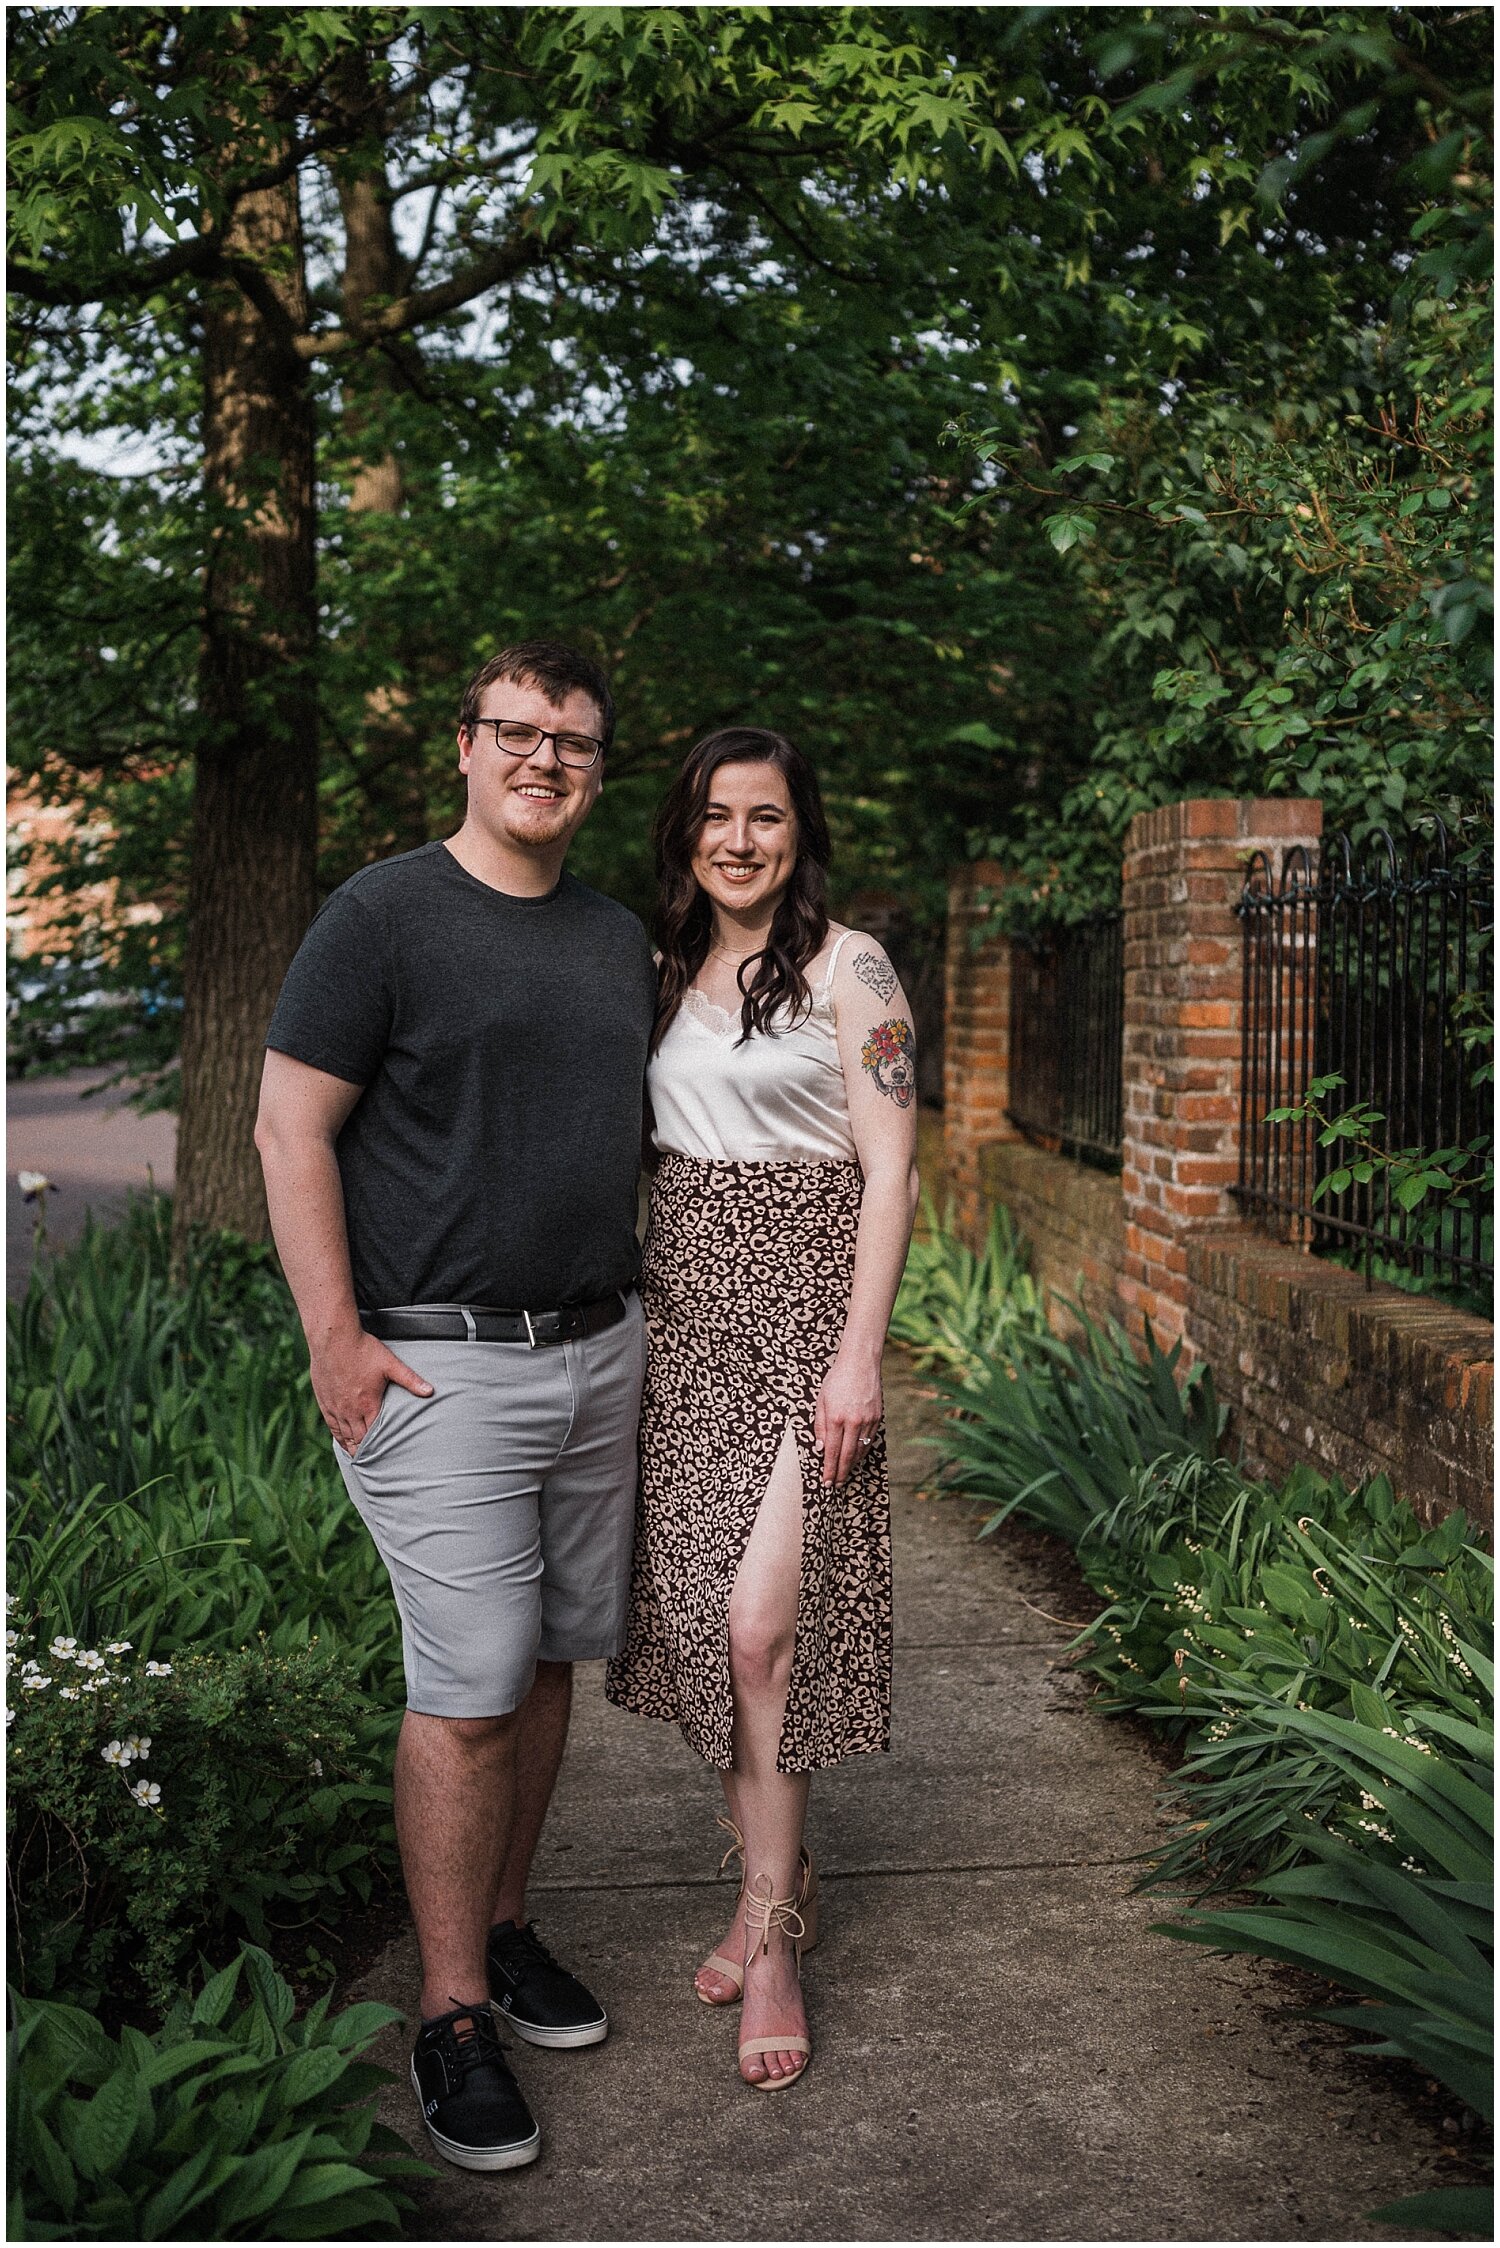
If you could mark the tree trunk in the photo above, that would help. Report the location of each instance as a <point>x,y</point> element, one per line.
<point>390,767</point>
<point>252,889</point>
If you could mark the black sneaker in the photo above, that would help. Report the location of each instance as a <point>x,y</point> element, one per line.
<point>471,2104</point>
<point>541,2001</point>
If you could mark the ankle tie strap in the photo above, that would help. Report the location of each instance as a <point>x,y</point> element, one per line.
<point>737,1845</point>
<point>763,1913</point>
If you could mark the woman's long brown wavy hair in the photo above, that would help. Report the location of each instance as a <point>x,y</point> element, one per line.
<point>684,918</point>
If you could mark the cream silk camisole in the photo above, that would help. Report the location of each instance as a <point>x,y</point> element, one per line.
<point>779,1098</point>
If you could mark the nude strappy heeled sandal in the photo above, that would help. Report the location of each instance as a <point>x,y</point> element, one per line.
<point>732,1970</point>
<point>762,1914</point>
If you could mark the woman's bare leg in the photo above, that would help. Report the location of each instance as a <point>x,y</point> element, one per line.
<point>770,1806</point>
<point>716,1987</point>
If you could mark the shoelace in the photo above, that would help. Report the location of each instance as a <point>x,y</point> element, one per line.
<point>468,2049</point>
<point>528,1941</point>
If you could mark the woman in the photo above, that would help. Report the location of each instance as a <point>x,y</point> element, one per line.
<point>783,1100</point>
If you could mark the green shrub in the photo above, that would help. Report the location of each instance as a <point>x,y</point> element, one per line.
<point>1392,1896</point>
<point>955,1309</point>
<point>269,1806</point>
<point>173,1490</point>
<point>172,1482</point>
<point>248,2126</point>
<point>1232,1601</point>
<point>1057,1429</point>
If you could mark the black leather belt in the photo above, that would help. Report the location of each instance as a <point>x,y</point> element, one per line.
<point>485,1323</point>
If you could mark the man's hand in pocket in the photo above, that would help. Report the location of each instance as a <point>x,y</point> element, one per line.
<point>349,1379</point>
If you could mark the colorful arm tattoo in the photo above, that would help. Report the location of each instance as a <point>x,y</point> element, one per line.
<point>890,1056</point>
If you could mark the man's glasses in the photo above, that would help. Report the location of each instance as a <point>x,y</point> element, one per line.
<point>580,750</point>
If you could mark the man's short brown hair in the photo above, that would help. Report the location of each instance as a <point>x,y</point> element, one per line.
<point>550,665</point>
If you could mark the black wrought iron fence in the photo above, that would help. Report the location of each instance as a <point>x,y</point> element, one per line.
<point>1375,968</point>
<point>1067,1008</point>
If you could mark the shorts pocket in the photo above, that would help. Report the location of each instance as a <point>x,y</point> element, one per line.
<point>382,1411</point>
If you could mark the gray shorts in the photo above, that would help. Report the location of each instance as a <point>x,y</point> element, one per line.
<point>504,1507</point>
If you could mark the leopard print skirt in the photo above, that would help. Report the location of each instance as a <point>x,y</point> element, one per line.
<point>746,1280</point>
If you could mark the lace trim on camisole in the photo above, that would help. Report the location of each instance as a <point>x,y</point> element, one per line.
<point>723,1021</point>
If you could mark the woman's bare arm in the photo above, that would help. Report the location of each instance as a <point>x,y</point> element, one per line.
<point>877,1047</point>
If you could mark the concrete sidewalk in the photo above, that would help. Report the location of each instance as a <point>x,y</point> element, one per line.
<point>97,1151</point>
<point>1003,2049</point>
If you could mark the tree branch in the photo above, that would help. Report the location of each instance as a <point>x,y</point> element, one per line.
<point>503,262</point>
<point>200,256</point>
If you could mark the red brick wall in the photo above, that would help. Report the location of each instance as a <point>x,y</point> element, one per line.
<point>1316,1367</point>
<point>976,1050</point>
<point>1183,872</point>
<point>1312,1365</point>
<point>1071,1217</point>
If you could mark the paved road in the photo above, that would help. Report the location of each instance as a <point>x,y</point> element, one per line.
<point>1004,2051</point>
<point>97,1150</point>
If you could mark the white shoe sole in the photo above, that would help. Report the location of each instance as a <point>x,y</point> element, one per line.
<point>479,2158</point>
<point>559,2040</point>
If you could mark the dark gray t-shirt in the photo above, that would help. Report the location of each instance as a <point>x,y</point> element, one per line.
<point>494,1154</point>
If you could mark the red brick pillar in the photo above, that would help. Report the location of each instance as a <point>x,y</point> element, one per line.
<point>976,1061</point>
<point>1184,870</point>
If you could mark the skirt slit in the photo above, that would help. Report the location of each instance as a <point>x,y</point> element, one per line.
<point>788,1430</point>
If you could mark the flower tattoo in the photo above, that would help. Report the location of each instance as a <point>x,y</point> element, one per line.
<point>890,1055</point>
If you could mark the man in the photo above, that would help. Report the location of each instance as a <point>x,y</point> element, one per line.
<point>450,1126</point>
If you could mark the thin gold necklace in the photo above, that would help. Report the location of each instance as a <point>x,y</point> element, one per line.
<point>736,959</point>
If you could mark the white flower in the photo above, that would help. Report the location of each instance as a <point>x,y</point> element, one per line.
<point>138,1744</point>
<point>147,1794</point>
<point>92,1685</point>
<point>10,1718</point>
<point>158,1670</point>
<point>33,1183</point>
<point>35,1679</point>
<point>62,1650</point>
<point>117,1753</point>
<point>10,1601</point>
<point>118,1647</point>
<point>315,1768</point>
<point>67,1693</point>
<point>30,1664</point>
<point>90,1659</point>
<point>1368,1802</point>
<point>12,1640</point>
